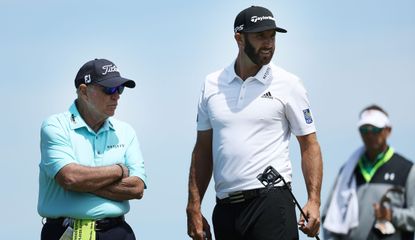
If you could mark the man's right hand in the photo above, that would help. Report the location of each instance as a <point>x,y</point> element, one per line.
<point>197,226</point>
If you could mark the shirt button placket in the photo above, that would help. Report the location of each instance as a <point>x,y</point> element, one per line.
<point>241,95</point>
<point>97,151</point>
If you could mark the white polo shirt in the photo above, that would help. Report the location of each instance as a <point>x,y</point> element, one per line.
<point>252,121</point>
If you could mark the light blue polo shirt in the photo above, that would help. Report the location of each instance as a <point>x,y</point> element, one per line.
<point>66,138</point>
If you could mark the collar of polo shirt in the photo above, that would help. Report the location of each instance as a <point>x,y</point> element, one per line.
<point>78,122</point>
<point>263,75</point>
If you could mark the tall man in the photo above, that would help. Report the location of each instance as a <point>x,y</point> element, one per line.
<point>246,114</point>
<point>374,194</point>
<point>91,163</point>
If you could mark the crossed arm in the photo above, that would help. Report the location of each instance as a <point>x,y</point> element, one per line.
<point>112,182</point>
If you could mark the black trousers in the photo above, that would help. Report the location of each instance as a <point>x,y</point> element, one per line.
<point>270,216</point>
<point>123,231</point>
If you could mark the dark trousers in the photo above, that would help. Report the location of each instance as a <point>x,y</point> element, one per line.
<point>270,216</point>
<point>123,231</point>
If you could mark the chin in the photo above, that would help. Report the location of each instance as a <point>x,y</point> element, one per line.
<point>265,61</point>
<point>110,113</point>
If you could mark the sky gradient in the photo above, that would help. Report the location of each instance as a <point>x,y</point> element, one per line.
<point>349,54</point>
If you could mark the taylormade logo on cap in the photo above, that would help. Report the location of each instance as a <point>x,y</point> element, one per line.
<point>256,18</point>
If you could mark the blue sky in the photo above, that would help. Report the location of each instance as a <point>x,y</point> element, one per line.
<point>349,54</point>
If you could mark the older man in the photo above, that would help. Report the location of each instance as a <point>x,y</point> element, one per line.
<point>91,163</point>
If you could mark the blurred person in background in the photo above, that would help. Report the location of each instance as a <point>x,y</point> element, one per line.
<point>374,194</point>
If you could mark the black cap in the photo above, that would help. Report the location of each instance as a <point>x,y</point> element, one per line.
<point>102,72</point>
<point>255,19</point>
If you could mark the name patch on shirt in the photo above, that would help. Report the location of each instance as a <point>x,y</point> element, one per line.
<point>307,116</point>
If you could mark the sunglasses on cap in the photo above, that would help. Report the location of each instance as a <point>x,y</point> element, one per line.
<point>372,129</point>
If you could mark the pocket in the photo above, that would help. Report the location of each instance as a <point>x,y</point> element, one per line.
<point>287,214</point>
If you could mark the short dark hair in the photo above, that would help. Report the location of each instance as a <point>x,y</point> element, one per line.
<point>374,107</point>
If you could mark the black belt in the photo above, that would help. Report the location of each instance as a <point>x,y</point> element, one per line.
<point>242,196</point>
<point>100,225</point>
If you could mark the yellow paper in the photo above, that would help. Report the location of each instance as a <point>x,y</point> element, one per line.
<point>84,229</point>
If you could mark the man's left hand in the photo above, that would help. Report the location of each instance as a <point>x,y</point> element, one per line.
<point>382,213</point>
<point>312,226</point>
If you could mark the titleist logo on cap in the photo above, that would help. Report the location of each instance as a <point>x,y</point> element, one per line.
<point>109,68</point>
<point>102,72</point>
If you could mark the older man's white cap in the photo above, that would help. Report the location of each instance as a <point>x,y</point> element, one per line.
<point>375,118</point>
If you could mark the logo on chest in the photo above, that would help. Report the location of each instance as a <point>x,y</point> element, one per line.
<point>389,176</point>
<point>115,146</point>
<point>267,95</point>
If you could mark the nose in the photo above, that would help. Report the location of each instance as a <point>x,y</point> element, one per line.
<point>115,96</point>
<point>269,42</point>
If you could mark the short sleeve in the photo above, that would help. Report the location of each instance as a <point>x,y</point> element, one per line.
<point>203,121</point>
<point>298,111</point>
<point>134,160</point>
<point>55,147</point>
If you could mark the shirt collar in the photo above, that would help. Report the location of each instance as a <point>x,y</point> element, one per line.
<point>76,120</point>
<point>368,169</point>
<point>263,75</point>
<point>368,164</point>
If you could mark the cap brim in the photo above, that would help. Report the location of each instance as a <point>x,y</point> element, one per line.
<point>265,28</point>
<point>281,30</point>
<point>117,81</point>
<point>374,118</point>
<point>373,122</point>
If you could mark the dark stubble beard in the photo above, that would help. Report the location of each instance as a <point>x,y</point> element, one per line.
<point>254,55</point>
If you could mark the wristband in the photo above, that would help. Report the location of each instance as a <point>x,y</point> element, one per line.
<point>122,170</point>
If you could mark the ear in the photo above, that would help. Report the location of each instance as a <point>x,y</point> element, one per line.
<point>388,131</point>
<point>240,40</point>
<point>83,91</point>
